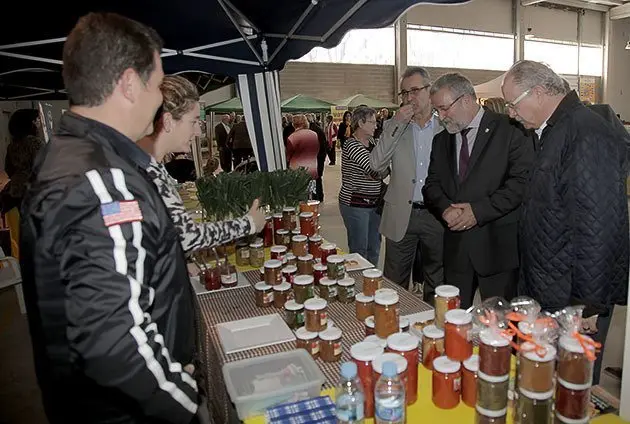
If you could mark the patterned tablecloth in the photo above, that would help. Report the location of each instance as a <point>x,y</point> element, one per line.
<point>237,304</point>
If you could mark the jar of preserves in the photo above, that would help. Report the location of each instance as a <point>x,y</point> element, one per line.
<point>277,222</point>
<point>268,232</point>
<point>242,254</point>
<point>278,252</point>
<point>446,383</point>
<point>432,345</point>
<point>319,272</point>
<point>289,273</point>
<point>573,364</point>
<point>307,223</point>
<point>229,276</point>
<point>273,272</point>
<point>327,249</point>
<point>305,265</point>
<point>485,416</point>
<point>256,254</point>
<point>386,314</point>
<point>283,238</point>
<point>290,259</point>
<point>495,353</point>
<point>336,267</point>
<point>316,314</point>
<point>303,288</point>
<point>289,218</point>
<point>536,367</point>
<point>314,244</point>
<point>307,340</point>
<point>345,290</point>
<point>370,327</point>
<point>401,366</point>
<point>534,408</point>
<point>364,306</point>
<point>403,325</point>
<point>281,294</point>
<point>328,289</point>
<point>310,206</point>
<point>211,278</point>
<point>376,340</point>
<point>299,245</point>
<point>572,400</point>
<point>469,380</point>
<point>446,299</point>
<point>363,353</point>
<point>492,392</point>
<point>294,314</point>
<point>330,344</point>
<point>372,279</point>
<point>406,345</point>
<point>264,294</point>
<point>457,343</point>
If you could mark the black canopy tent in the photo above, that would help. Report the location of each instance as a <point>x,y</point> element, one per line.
<point>250,40</point>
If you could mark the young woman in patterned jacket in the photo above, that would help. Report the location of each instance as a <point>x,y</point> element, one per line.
<point>174,127</point>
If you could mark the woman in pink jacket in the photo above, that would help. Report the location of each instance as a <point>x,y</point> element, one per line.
<point>303,147</point>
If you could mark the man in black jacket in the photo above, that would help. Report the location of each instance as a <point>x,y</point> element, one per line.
<point>476,180</point>
<point>110,309</point>
<point>574,232</point>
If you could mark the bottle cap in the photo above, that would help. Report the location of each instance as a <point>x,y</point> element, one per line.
<point>389,369</point>
<point>348,370</point>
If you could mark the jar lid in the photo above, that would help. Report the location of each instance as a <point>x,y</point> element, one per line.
<point>296,232</point>
<point>535,395</point>
<point>292,305</point>
<point>328,246</point>
<point>346,282</point>
<point>256,245</point>
<point>432,332</point>
<point>401,363</point>
<point>373,273</point>
<point>364,298</point>
<point>284,286</point>
<point>365,351</point>
<point>273,263</point>
<point>319,267</point>
<point>566,420</point>
<point>267,217</point>
<point>282,231</point>
<point>491,414</point>
<point>446,290</point>
<point>262,286</point>
<point>306,258</point>
<point>290,269</point>
<point>304,280</point>
<point>369,321</point>
<point>528,350</point>
<point>315,304</point>
<point>403,322</point>
<point>444,365</point>
<point>278,249</point>
<point>331,333</point>
<point>302,333</point>
<point>525,327</point>
<point>402,342</point>
<point>337,259</point>
<point>306,215</point>
<point>277,215</point>
<point>241,243</point>
<point>316,238</point>
<point>472,363</point>
<point>458,317</point>
<point>493,378</point>
<point>573,386</point>
<point>299,238</point>
<point>386,297</point>
<point>327,282</point>
<point>288,209</point>
<point>289,256</point>
<point>490,337</point>
<point>373,338</point>
<point>573,345</point>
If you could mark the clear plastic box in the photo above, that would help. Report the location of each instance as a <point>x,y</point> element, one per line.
<point>258,383</point>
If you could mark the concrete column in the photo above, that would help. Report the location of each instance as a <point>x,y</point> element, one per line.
<point>400,58</point>
<point>518,26</point>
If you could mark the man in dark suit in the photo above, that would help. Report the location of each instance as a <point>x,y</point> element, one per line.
<point>221,132</point>
<point>477,175</point>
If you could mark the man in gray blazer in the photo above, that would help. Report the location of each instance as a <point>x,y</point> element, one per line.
<point>407,224</point>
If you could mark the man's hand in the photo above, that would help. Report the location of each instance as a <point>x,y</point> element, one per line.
<point>190,369</point>
<point>466,220</point>
<point>257,215</point>
<point>450,214</point>
<point>404,114</point>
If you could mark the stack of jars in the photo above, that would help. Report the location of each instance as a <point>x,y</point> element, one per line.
<point>317,336</point>
<point>372,281</point>
<point>536,365</point>
<point>406,345</point>
<point>446,298</point>
<point>493,377</point>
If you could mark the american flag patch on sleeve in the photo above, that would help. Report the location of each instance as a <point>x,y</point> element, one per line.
<point>116,213</point>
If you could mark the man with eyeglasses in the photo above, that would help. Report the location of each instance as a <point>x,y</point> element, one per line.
<point>407,225</point>
<point>574,231</point>
<point>476,180</point>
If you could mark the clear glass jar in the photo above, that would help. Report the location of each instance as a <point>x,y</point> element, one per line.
<point>307,340</point>
<point>319,272</point>
<point>330,344</point>
<point>364,306</point>
<point>289,273</point>
<point>307,223</point>
<point>495,353</point>
<point>432,345</point>
<point>327,249</point>
<point>345,290</point>
<point>370,327</point>
<point>281,294</point>
<point>406,345</point>
<point>372,279</point>
<point>242,254</point>
<point>469,380</point>
<point>536,372</point>
<point>447,383</point>
<point>328,289</point>
<point>256,254</point>
<point>289,218</point>
<point>294,314</point>
<point>573,364</point>
<point>485,416</point>
<point>386,313</point>
<point>362,354</point>
<point>278,252</point>
<point>446,299</point>
<point>534,408</point>
<point>492,392</point>
<point>273,272</point>
<point>305,265</point>
<point>264,294</point>
<point>299,245</point>
<point>336,267</point>
<point>316,314</point>
<point>457,343</point>
<point>303,288</point>
<point>572,400</point>
<point>314,244</point>
<point>283,238</point>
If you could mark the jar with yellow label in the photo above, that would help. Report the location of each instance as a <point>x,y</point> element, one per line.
<point>364,306</point>
<point>256,254</point>
<point>316,314</point>
<point>242,254</point>
<point>294,314</point>
<point>328,289</point>
<point>345,291</point>
<point>305,265</point>
<point>264,294</point>
<point>330,344</point>
<point>303,288</point>
<point>307,340</point>
<point>299,245</point>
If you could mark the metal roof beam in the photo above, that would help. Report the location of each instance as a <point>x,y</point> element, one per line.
<point>29,57</point>
<point>620,12</point>
<point>295,27</point>
<point>294,37</point>
<point>358,5</point>
<point>224,4</point>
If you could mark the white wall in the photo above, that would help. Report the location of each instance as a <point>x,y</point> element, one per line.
<point>219,95</point>
<point>618,89</point>
<point>480,15</point>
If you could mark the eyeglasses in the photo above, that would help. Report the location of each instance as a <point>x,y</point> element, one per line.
<point>414,91</point>
<point>512,104</point>
<point>444,109</point>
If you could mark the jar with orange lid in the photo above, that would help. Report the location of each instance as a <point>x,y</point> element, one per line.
<point>299,245</point>
<point>289,273</point>
<point>372,279</point>
<point>364,306</point>
<point>401,367</point>
<point>283,238</point>
<point>307,223</point>
<point>256,254</point>
<point>328,289</point>
<point>316,314</point>
<point>242,254</point>
<point>273,272</point>
<point>406,345</point>
<point>303,288</point>
<point>386,313</point>
<point>432,345</point>
<point>305,265</point>
<point>278,252</point>
<point>362,354</point>
<point>446,298</point>
<point>289,218</point>
<point>486,416</point>
<point>281,294</point>
<point>290,259</point>
<point>573,364</point>
<point>294,314</point>
<point>457,328</point>
<point>345,290</point>
<point>330,344</point>
<point>319,272</point>
<point>307,340</point>
<point>469,380</point>
<point>327,249</point>
<point>314,244</point>
<point>369,326</point>
<point>536,367</point>
<point>263,294</point>
<point>495,353</point>
<point>446,382</point>
<point>336,267</point>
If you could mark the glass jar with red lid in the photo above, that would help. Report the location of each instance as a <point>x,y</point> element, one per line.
<point>406,345</point>
<point>363,353</point>
<point>447,382</point>
<point>457,342</point>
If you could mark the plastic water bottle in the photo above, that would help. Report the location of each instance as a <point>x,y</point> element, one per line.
<point>350,397</point>
<point>389,397</point>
